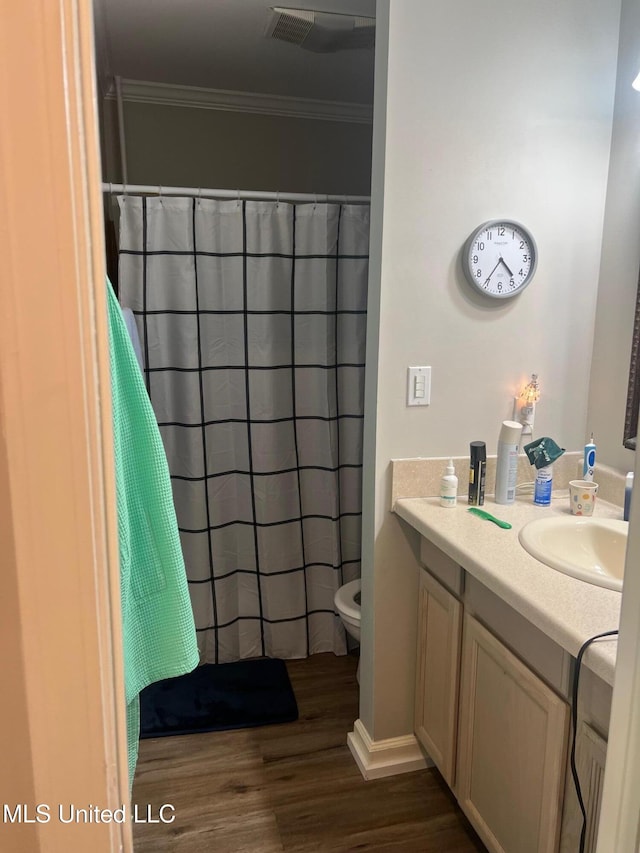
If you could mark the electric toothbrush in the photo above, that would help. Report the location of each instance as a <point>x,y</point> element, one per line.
<point>589,460</point>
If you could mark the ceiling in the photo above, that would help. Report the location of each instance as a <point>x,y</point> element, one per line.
<point>220,44</point>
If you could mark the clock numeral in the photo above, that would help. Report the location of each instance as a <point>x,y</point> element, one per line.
<point>521,273</point>
<point>475,259</point>
<point>500,232</point>
<point>512,283</point>
<point>489,235</point>
<point>486,284</point>
<point>480,246</point>
<point>522,244</point>
<point>525,258</point>
<point>479,273</point>
<point>499,287</point>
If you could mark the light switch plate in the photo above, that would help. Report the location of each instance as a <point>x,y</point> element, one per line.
<point>418,386</point>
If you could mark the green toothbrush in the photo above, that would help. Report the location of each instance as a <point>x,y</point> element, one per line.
<point>482,514</point>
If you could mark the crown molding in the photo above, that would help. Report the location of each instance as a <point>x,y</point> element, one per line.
<point>196,97</point>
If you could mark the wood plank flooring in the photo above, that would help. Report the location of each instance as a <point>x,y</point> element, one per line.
<point>292,788</point>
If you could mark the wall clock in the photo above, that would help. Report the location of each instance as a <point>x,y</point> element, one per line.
<point>499,259</point>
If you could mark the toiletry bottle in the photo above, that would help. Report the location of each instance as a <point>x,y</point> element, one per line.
<point>628,491</point>
<point>477,472</point>
<point>543,486</point>
<point>449,486</point>
<point>589,460</point>
<point>507,463</point>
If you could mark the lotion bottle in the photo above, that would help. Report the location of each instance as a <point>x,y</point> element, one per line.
<point>507,463</point>
<point>449,486</point>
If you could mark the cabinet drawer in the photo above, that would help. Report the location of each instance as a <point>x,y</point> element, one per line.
<point>442,567</point>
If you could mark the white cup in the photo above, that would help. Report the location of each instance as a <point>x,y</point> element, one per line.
<point>582,496</point>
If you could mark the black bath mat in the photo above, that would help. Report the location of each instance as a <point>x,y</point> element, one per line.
<point>217,697</point>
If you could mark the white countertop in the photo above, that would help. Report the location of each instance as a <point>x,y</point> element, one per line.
<point>568,610</point>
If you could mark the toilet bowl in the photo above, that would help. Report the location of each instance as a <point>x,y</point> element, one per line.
<point>347,602</point>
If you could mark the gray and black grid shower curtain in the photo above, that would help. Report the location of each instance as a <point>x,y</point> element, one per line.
<point>252,317</point>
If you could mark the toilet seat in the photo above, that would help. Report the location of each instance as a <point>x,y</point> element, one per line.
<point>349,611</point>
<point>345,604</point>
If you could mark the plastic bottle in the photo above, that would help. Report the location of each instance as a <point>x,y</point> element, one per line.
<point>507,463</point>
<point>628,491</point>
<point>543,486</point>
<point>449,486</point>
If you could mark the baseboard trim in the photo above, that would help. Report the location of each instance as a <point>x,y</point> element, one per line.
<point>388,757</point>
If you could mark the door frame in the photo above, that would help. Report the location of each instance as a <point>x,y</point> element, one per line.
<point>60,625</point>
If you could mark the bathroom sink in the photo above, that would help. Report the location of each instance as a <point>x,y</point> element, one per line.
<point>590,549</point>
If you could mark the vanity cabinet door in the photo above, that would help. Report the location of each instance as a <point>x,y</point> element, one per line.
<point>591,756</point>
<point>511,748</point>
<point>437,673</point>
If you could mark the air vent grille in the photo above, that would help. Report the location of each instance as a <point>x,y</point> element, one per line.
<point>320,32</point>
<point>290,25</point>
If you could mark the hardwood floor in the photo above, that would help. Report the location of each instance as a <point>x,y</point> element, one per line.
<point>292,787</point>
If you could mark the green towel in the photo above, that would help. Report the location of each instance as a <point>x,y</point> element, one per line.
<point>159,634</point>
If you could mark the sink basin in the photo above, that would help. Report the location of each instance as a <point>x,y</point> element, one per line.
<point>590,549</point>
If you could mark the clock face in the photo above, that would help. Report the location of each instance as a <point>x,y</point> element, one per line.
<point>499,259</point>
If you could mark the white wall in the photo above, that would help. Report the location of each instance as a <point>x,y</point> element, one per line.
<point>620,257</point>
<point>492,109</point>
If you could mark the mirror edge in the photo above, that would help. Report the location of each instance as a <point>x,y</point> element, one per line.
<point>633,391</point>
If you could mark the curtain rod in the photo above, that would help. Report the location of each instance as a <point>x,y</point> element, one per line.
<point>150,189</point>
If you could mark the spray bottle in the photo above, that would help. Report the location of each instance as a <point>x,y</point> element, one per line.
<point>543,453</point>
<point>507,464</point>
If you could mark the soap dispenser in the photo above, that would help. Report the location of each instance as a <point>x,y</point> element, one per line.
<point>449,486</point>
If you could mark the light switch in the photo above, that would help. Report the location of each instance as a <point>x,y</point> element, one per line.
<point>418,386</point>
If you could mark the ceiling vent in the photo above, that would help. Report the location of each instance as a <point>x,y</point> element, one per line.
<point>321,32</point>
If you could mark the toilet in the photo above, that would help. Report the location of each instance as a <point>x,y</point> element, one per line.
<point>347,602</point>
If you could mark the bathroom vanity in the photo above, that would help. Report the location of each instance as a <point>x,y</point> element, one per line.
<point>498,632</point>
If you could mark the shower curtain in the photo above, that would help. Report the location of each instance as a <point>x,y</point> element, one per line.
<point>252,318</point>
